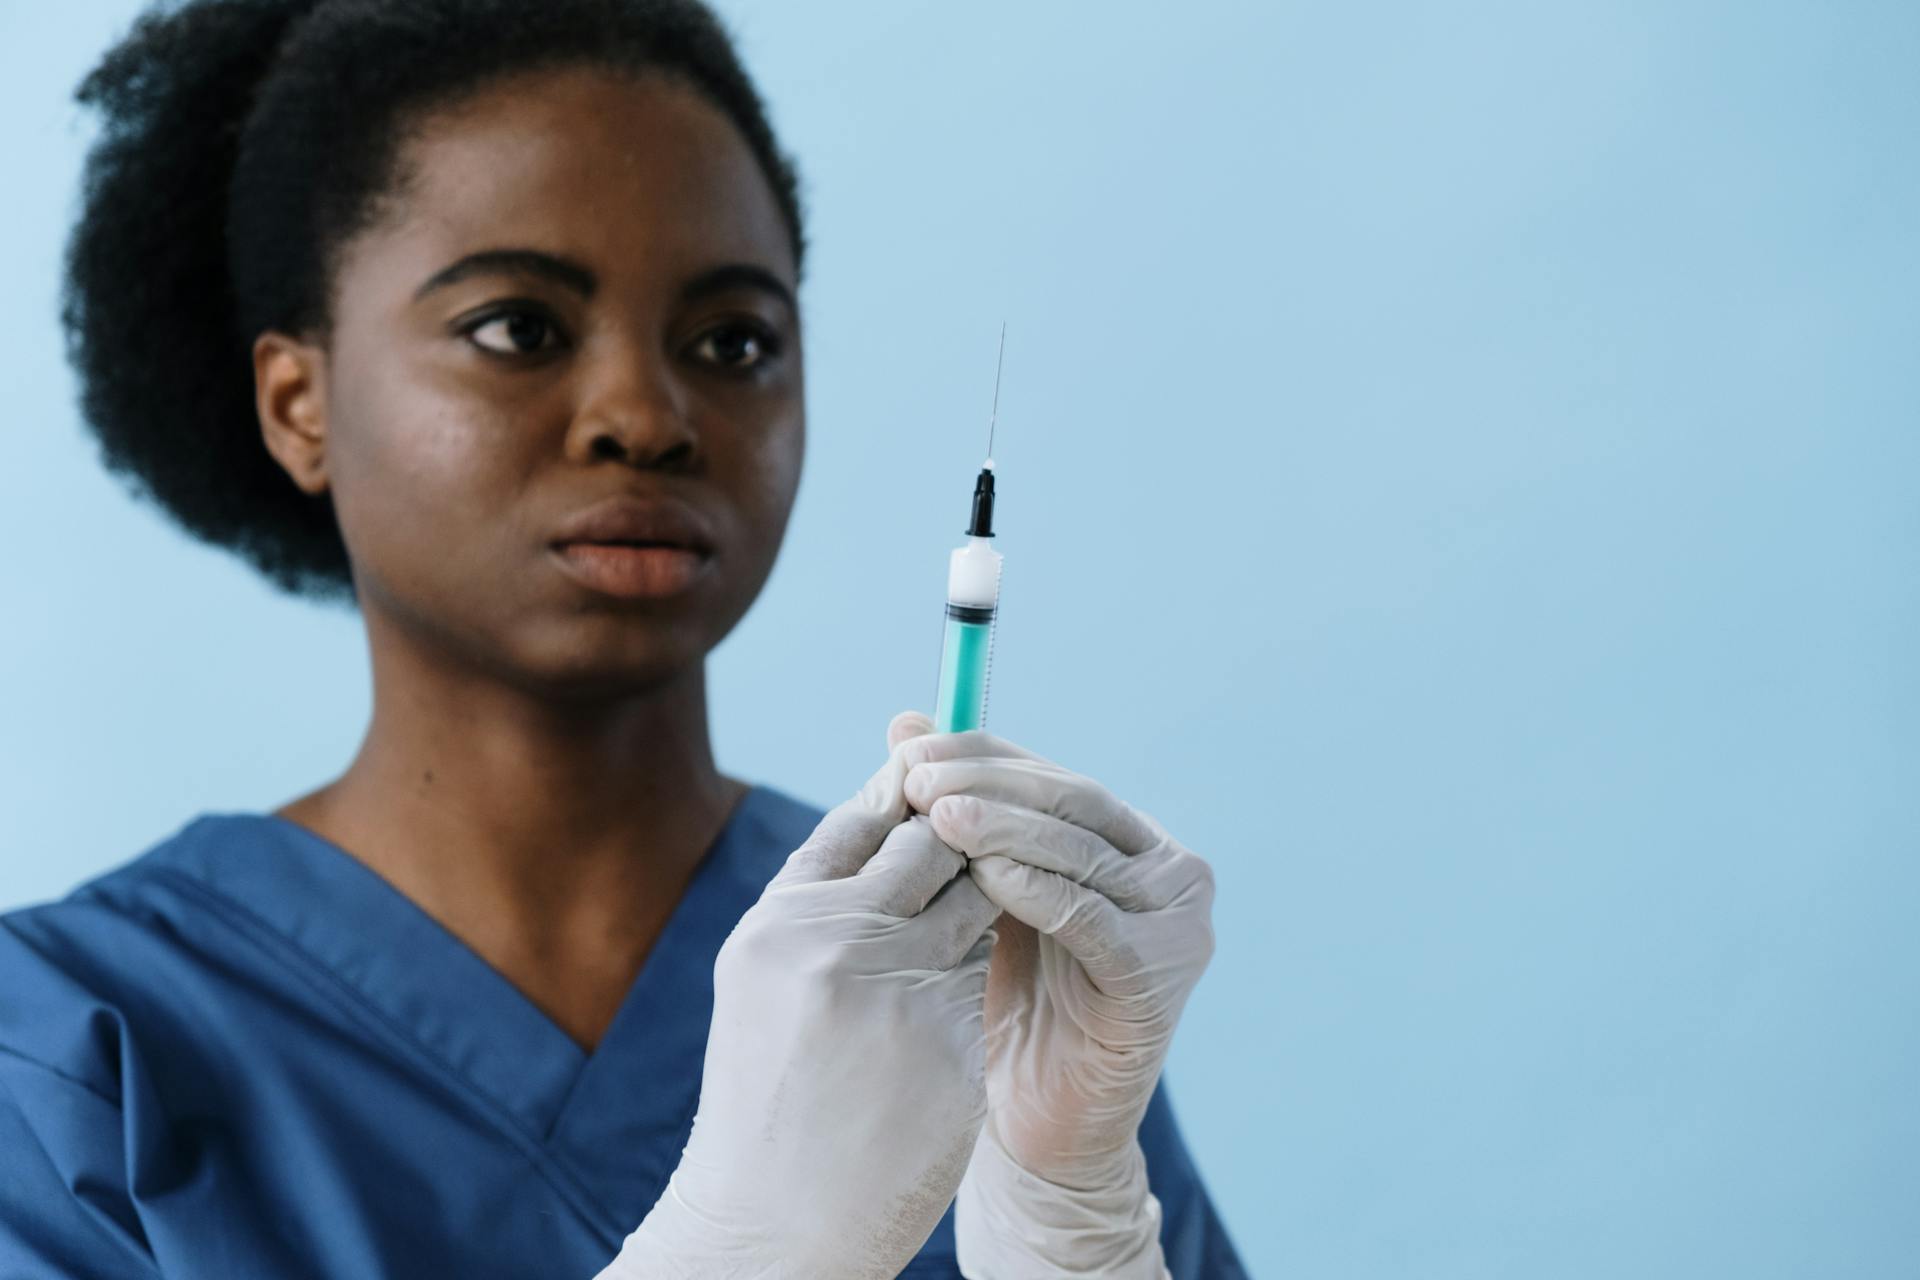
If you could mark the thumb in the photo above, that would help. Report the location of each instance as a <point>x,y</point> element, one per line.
<point>908,724</point>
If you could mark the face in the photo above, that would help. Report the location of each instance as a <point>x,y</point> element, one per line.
<point>630,333</point>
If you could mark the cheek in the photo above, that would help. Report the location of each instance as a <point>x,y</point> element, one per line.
<point>420,485</point>
<point>767,475</point>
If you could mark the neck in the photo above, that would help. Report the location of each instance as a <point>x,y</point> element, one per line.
<point>553,838</point>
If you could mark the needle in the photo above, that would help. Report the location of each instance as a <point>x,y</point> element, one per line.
<point>998,360</point>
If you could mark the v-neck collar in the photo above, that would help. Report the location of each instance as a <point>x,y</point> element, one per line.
<point>618,1107</point>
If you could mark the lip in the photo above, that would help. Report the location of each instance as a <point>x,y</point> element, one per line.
<point>632,573</point>
<point>635,547</point>
<point>628,517</point>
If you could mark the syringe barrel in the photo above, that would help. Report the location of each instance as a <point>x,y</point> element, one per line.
<point>966,658</point>
<point>966,652</point>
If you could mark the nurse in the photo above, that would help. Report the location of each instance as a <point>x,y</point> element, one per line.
<point>481,316</point>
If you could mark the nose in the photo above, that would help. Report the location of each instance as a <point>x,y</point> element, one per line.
<point>635,411</point>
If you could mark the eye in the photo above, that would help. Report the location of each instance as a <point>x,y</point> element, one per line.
<point>520,328</point>
<point>737,346</point>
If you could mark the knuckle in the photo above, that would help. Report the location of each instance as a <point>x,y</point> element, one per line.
<point>1153,837</point>
<point>1195,877</point>
<point>851,822</point>
<point>1206,942</point>
<point>1080,919</point>
<point>1203,875</point>
<point>1129,880</point>
<point>807,861</point>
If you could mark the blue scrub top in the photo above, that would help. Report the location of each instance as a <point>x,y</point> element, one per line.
<point>244,1053</point>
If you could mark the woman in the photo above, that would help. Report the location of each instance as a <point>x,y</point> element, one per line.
<point>482,315</point>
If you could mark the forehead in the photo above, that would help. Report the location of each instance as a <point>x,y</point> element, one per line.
<point>626,172</point>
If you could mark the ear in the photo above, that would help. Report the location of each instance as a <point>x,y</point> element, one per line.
<point>289,394</point>
<point>908,724</point>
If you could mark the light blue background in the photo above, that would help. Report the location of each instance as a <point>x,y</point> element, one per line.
<point>1459,471</point>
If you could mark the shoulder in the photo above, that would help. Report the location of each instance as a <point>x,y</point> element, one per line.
<point>77,1106</point>
<point>70,969</point>
<point>768,825</point>
<point>774,817</point>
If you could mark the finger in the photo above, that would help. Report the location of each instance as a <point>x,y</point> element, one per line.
<point>851,831</point>
<point>1087,924</point>
<point>1034,784</point>
<point>958,924</point>
<point>911,866</point>
<point>1013,981</point>
<point>908,724</point>
<point>978,959</point>
<point>972,742</point>
<point>986,828</point>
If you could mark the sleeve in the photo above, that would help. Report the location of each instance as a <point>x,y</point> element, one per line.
<point>66,1203</point>
<point>1192,1236</point>
<point>64,1207</point>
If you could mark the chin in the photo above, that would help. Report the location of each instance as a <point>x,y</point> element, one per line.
<point>618,659</point>
<point>587,686</point>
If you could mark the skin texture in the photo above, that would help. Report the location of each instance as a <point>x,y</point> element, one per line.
<point>537,773</point>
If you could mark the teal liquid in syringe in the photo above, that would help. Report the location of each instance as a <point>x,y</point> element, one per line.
<point>973,602</point>
<point>965,658</point>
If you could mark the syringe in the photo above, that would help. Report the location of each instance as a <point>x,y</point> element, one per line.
<point>973,600</point>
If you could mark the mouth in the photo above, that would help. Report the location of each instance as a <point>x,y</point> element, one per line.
<point>636,546</point>
<point>665,544</point>
<point>633,570</point>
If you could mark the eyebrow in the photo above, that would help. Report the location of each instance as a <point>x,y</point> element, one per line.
<point>581,279</point>
<point>531,262</point>
<point>737,275</point>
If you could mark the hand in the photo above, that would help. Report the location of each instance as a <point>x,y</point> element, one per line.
<point>844,1082</point>
<point>1108,929</point>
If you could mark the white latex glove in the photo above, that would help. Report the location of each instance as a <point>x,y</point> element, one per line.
<point>844,1080</point>
<point>1108,928</point>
